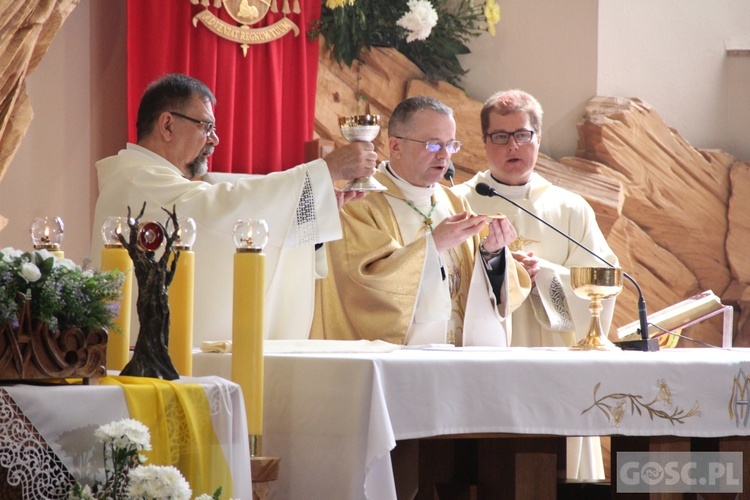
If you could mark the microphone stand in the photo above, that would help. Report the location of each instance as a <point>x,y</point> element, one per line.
<point>449,173</point>
<point>645,343</point>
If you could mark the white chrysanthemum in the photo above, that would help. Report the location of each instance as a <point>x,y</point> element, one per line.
<point>30,272</point>
<point>124,433</point>
<point>204,496</point>
<point>156,481</point>
<point>419,21</point>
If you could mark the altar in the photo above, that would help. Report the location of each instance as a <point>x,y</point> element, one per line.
<point>335,416</point>
<point>47,433</point>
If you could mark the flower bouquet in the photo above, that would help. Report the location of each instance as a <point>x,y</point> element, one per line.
<point>54,316</point>
<point>125,476</point>
<point>431,33</point>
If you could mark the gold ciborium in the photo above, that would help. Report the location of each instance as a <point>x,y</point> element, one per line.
<point>361,128</point>
<point>595,284</point>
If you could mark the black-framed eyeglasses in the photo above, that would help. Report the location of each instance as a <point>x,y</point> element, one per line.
<point>520,136</point>
<point>433,145</point>
<point>208,127</point>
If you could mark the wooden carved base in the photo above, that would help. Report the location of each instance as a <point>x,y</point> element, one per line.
<point>264,471</point>
<point>32,351</point>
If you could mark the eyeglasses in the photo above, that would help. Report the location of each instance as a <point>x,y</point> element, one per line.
<point>208,127</point>
<point>433,145</point>
<point>521,137</point>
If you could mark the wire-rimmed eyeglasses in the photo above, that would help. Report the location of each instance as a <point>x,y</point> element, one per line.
<point>208,127</point>
<point>433,145</point>
<point>520,136</point>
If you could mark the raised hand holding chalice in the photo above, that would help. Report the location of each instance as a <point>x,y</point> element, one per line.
<point>361,128</point>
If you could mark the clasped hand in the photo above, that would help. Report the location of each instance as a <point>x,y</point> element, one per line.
<point>454,230</point>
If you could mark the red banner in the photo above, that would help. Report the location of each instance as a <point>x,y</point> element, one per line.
<point>264,83</point>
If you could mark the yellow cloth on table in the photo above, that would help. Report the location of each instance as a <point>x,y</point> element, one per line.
<point>179,419</point>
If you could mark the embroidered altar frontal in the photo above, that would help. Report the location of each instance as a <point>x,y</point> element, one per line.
<point>412,393</point>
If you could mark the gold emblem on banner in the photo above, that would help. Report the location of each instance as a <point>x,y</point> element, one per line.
<point>247,13</point>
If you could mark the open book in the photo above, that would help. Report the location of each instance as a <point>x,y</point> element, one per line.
<point>678,316</point>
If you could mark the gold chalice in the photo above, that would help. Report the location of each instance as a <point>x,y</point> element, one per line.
<point>595,284</point>
<point>361,128</point>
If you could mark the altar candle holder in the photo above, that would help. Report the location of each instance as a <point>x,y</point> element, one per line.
<point>47,234</point>
<point>247,322</point>
<point>115,256</point>
<point>182,299</point>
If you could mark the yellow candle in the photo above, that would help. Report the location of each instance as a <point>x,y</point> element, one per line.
<point>247,333</point>
<point>118,343</point>
<point>181,300</point>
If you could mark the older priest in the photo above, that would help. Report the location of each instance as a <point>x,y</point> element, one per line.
<point>406,270</point>
<point>176,135</point>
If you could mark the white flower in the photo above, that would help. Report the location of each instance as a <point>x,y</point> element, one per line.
<point>30,272</point>
<point>10,254</point>
<point>43,254</point>
<point>419,21</point>
<point>84,494</point>
<point>65,263</point>
<point>154,481</point>
<point>204,496</point>
<point>125,433</point>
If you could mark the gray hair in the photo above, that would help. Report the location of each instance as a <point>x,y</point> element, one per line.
<point>405,110</point>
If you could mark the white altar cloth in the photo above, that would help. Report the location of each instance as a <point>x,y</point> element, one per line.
<point>66,416</point>
<point>334,417</point>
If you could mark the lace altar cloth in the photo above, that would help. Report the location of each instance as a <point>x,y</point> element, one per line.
<point>47,435</point>
<point>29,464</point>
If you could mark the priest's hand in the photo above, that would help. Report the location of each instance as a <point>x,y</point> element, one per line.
<point>501,234</point>
<point>352,161</point>
<point>344,197</point>
<point>456,229</point>
<point>529,261</point>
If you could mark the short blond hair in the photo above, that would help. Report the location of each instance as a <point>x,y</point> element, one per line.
<point>512,101</point>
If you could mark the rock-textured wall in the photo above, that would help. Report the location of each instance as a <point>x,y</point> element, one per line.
<point>26,32</point>
<point>673,214</point>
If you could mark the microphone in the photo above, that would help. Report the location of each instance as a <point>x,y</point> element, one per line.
<point>450,172</point>
<point>645,343</point>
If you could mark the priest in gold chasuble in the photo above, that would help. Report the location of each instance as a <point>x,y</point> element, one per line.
<point>411,268</point>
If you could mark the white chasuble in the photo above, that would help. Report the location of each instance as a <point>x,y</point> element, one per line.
<point>552,316</point>
<point>298,204</point>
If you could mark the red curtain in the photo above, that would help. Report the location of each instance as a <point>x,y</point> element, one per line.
<point>265,107</point>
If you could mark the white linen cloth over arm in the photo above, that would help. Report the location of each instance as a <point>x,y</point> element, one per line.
<point>298,204</point>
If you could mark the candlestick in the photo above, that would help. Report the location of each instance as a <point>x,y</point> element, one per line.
<point>47,234</point>
<point>247,322</point>
<point>181,300</point>
<point>115,256</point>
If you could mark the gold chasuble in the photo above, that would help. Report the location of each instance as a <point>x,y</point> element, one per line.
<point>377,275</point>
